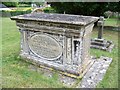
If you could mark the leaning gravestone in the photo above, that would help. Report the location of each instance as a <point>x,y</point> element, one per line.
<point>57,41</point>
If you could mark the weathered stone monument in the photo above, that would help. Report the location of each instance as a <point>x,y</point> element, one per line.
<point>57,41</point>
<point>100,42</point>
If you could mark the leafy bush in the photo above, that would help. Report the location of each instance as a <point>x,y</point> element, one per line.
<point>108,14</point>
<point>19,12</point>
<point>10,4</point>
<point>29,3</point>
<point>16,12</point>
<point>49,10</point>
<point>85,8</point>
<point>24,5</point>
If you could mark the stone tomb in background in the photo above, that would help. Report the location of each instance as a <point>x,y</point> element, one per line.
<point>57,41</point>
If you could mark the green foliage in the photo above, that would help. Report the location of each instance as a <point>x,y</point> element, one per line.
<point>20,12</point>
<point>49,10</point>
<point>11,4</point>
<point>24,5</point>
<point>84,8</point>
<point>16,12</point>
<point>113,6</point>
<point>29,3</point>
<point>108,14</point>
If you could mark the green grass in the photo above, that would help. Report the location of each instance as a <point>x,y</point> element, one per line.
<point>111,22</point>
<point>15,71</point>
<point>111,77</point>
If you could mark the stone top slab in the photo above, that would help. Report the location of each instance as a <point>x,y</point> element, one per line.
<point>57,18</point>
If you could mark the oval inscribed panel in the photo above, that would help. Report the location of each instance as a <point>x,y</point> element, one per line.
<point>45,46</point>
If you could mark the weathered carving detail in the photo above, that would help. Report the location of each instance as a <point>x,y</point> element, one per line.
<point>69,50</point>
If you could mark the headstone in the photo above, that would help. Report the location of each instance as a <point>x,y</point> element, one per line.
<point>57,41</point>
<point>100,25</point>
<point>100,42</point>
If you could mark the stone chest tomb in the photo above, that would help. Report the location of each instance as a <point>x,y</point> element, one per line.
<point>57,41</point>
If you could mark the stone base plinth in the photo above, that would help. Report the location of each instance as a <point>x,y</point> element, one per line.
<point>94,73</point>
<point>68,79</point>
<point>102,44</point>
